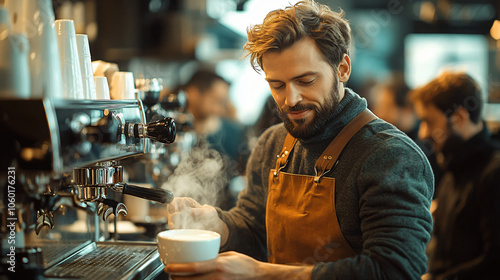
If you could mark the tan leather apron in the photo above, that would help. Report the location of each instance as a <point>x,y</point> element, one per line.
<point>301,220</point>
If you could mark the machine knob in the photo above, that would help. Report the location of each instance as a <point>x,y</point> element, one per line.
<point>162,131</point>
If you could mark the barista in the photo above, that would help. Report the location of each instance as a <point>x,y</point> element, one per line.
<point>334,189</point>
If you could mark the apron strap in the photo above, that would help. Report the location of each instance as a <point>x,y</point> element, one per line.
<point>330,156</point>
<point>282,157</point>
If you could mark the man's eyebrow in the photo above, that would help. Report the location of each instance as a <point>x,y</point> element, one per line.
<point>309,73</point>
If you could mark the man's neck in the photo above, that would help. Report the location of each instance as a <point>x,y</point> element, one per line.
<point>472,129</point>
<point>207,126</point>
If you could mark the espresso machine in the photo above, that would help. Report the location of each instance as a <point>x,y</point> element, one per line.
<point>62,178</point>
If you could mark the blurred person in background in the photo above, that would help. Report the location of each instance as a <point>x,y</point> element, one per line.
<point>389,101</point>
<point>466,236</point>
<point>208,101</point>
<point>333,192</point>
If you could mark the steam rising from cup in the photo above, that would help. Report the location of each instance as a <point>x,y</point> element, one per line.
<point>200,176</point>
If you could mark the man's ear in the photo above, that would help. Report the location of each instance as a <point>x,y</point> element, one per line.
<point>460,117</point>
<point>344,69</point>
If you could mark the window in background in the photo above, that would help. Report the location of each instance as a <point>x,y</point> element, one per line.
<point>426,55</point>
<point>248,90</point>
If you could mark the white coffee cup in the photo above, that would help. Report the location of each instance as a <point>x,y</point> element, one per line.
<point>44,61</point>
<point>70,63</point>
<point>14,70</point>
<point>101,88</point>
<point>122,86</point>
<point>4,20</point>
<point>188,245</point>
<point>82,44</point>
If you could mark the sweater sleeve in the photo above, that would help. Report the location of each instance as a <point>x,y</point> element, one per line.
<point>395,185</point>
<point>246,221</point>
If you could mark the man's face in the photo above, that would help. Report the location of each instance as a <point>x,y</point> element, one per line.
<point>304,86</point>
<point>212,102</point>
<point>434,125</point>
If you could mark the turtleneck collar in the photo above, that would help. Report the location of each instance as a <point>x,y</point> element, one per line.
<point>349,107</point>
<point>461,156</point>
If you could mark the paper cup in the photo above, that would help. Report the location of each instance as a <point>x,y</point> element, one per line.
<point>4,20</point>
<point>70,63</point>
<point>122,86</point>
<point>14,70</point>
<point>101,88</point>
<point>188,245</point>
<point>82,43</point>
<point>44,62</point>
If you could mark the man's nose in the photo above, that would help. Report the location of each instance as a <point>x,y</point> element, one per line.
<point>293,96</point>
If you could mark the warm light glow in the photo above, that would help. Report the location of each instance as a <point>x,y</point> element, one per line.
<point>427,11</point>
<point>495,30</point>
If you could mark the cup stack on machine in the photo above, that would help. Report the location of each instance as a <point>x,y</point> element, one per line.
<point>41,57</point>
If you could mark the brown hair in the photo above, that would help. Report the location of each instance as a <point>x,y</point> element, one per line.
<point>450,91</point>
<point>282,28</point>
<point>203,80</point>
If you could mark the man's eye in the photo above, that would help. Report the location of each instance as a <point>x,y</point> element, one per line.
<point>276,86</point>
<point>307,82</point>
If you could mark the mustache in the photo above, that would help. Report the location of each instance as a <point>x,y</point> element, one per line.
<point>297,107</point>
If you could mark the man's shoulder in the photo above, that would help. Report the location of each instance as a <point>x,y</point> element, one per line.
<point>271,139</point>
<point>274,133</point>
<point>382,131</point>
<point>383,136</point>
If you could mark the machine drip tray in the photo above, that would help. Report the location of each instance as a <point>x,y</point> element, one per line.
<point>109,260</point>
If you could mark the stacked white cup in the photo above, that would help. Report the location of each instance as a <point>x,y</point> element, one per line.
<point>82,43</point>
<point>101,88</point>
<point>70,63</point>
<point>123,86</point>
<point>45,67</point>
<point>5,25</point>
<point>14,70</point>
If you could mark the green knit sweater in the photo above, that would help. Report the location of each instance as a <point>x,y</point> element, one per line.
<point>384,187</point>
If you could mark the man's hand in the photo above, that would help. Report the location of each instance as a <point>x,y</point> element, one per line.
<point>232,265</point>
<point>185,212</point>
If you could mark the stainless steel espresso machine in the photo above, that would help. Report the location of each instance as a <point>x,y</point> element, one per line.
<point>60,180</point>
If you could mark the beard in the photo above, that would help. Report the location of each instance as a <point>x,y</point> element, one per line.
<point>298,128</point>
<point>452,145</point>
